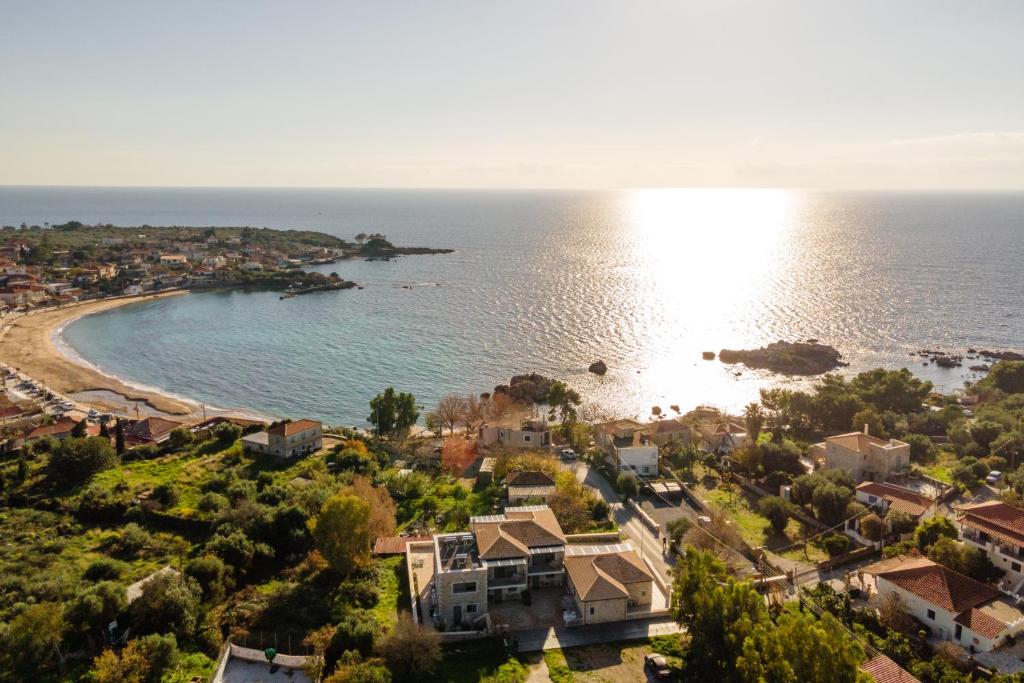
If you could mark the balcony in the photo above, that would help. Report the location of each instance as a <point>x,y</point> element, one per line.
<point>547,566</point>
<point>1011,551</point>
<point>503,581</point>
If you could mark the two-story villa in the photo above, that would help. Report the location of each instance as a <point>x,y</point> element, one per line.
<point>998,529</point>
<point>501,557</point>
<point>865,457</point>
<point>287,439</point>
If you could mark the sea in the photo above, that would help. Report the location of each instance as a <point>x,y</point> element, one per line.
<point>551,281</point>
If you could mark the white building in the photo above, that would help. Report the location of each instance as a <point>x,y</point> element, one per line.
<point>998,529</point>
<point>642,460</point>
<point>955,607</point>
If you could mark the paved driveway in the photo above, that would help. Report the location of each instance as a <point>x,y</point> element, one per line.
<point>648,545</point>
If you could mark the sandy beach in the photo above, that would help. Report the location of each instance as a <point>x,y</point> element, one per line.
<point>26,344</point>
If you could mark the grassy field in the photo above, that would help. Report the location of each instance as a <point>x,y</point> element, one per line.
<point>740,507</point>
<point>609,662</point>
<point>941,467</point>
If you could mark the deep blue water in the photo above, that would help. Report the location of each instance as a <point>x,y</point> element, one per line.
<point>550,281</point>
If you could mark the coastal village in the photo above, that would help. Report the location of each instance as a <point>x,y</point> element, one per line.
<point>499,535</point>
<point>62,264</point>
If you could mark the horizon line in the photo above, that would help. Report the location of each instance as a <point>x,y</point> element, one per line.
<point>409,188</point>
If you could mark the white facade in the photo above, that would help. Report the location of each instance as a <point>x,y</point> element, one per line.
<point>643,460</point>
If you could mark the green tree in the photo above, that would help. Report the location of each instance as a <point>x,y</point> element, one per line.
<point>896,390</point>
<point>78,459</point>
<point>1007,376</point>
<point>393,412</point>
<point>872,527</point>
<point>79,430</point>
<point>32,645</point>
<point>830,501</point>
<point>932,530</point>
<point>869,417</point>
<point>628,485</point>
<point>920,447</point>
<point>564,399</point>
<point>776,510</point>
<point>753,417</point>
<point>93,608</point>
<point>408,650</point>
<point>342,532</point>
<point>119,437</point>
<point>179,438</point>
<point>800,648</point>
<point>169,603</point>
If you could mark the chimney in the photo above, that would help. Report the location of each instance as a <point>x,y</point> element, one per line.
<point>865,427</point>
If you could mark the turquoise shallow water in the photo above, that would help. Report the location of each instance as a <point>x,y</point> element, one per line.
<point>550,281</point>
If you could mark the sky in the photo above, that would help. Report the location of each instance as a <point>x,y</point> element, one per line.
<point>551,94</point>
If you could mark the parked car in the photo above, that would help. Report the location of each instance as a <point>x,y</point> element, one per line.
<point>657,665</point>
<point>993,477</point>
<point>567,454</point>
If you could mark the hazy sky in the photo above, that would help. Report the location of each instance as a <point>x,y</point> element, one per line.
<point>851,94</point>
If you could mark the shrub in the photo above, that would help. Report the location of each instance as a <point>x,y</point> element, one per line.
<point>834,544</point>
<point>104,569</point>
<point>600,510</point>
<point>78,459</point>
<point>133,539</point>
<point>627,484</point>
<point>212,502</point>
<point>920,447</point>
<point>166,495</point>
<point>776,510</point>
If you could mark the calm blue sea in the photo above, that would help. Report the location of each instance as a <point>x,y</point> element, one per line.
<point>551,281</point>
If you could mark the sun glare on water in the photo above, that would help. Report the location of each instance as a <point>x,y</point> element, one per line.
<point>701,261</point>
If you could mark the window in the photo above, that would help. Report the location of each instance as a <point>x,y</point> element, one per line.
<point>872,499</point>
<point>591,611</point>
<point>931,614</point>
<point>471,608</point>
<point>959,631</point>
<point>465,587</point>
<point>526,438</point>
<point>1015,566</point>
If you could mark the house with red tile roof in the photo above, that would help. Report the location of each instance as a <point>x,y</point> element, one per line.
<point>998,530</point>
<point>884,670</point>
<point>955,607</point>
<point>151,430</point>
<point>60,430</point>
<point>883,497</point>
<point>287,439</point>
<point>607,582</point>
<point>529,485</point>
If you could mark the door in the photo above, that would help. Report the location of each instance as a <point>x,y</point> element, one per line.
<point>457,615</point>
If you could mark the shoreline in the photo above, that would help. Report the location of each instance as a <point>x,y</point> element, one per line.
<point>31,344</point>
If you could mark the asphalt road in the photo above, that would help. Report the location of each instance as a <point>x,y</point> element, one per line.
<point>647,544</point>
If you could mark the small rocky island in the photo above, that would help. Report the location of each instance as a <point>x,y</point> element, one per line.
<point>789,358</point>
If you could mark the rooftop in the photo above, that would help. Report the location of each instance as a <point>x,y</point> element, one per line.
<point>898,497</point>
<point>861,442</point>
<point>530,478</point>
<point>1002,521</point>
<point>884,670</point>
<point>292,428</point>
<point>933,583</point>
<point>515,532</point>
<point>606,576</point>
<point>456,552</point>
